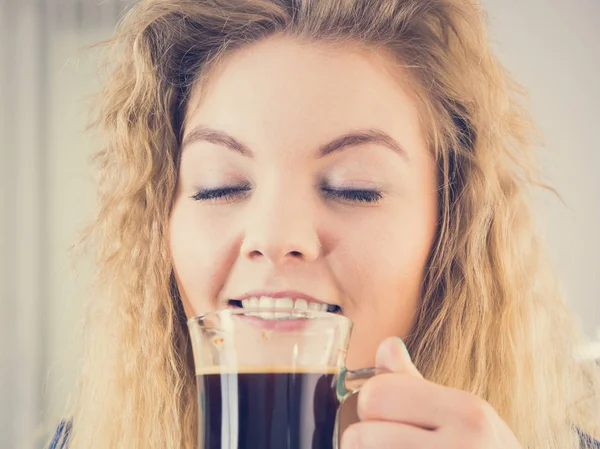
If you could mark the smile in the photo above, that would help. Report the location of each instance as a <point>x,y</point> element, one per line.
<point>266,302</point>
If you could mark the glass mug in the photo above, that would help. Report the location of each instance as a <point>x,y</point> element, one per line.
<point>271,379</point>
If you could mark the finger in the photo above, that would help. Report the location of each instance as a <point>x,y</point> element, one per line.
<point>392,355</point>
<point>415,401</point>
<point>380,434</point>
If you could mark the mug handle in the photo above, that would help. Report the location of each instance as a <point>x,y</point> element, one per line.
<point>349,383</point>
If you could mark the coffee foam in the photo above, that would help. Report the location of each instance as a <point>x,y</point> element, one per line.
<point>268,369</point>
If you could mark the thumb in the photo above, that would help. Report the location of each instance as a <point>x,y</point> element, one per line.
<point>393,356</point>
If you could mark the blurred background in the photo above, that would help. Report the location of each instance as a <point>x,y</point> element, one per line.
<point>48,75</point>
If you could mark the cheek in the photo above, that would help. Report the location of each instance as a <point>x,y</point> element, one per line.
<point>199,252</point>
<point>383,279</point>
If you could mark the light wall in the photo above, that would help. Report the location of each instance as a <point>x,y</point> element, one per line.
<point>551,47</point>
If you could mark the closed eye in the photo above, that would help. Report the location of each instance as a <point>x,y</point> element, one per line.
<point>226,194</point>
<point>356,195</point>
<point>221,193</point>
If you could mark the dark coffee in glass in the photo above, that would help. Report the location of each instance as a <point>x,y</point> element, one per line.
<point>271,378</point>
<point>268,409</point>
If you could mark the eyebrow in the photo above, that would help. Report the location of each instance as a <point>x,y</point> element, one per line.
<point>203,133</point>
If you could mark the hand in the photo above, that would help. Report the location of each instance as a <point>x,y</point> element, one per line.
<point>403,410</point>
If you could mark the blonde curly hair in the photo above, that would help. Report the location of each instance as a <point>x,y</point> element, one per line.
<point>491,319</point>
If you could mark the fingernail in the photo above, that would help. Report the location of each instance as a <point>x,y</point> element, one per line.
<point>404,348</point>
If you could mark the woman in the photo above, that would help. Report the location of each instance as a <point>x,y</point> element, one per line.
<point>372,155</point>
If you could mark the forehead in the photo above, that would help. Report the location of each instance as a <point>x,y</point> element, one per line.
<point>281,92</point>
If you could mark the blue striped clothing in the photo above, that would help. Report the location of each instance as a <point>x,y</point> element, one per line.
<point>62,435</point>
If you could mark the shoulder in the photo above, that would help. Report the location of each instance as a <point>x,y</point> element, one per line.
<point>61,436</point>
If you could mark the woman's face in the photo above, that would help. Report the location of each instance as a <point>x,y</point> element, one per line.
<point>305,174</point>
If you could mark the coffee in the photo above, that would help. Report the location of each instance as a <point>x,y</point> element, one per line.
<point>267,408</point>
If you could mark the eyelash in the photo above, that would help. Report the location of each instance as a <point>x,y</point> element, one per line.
<point>354,195</point>
<point>230,193</point>
<point>223,193</point>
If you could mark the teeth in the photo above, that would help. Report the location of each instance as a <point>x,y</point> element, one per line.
<point>301,304</point>
<point>266,302</point>
<point>283,303</point>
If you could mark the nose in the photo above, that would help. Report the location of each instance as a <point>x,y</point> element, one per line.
<point>281,228</point>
